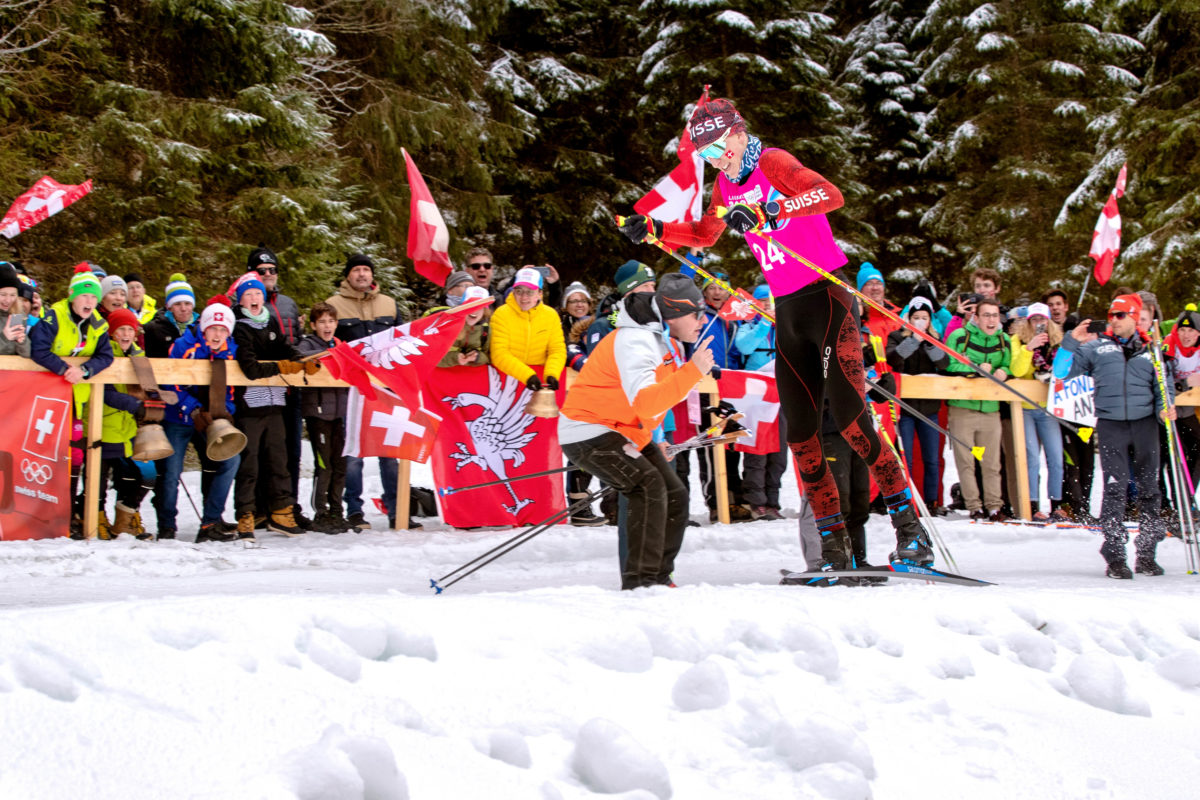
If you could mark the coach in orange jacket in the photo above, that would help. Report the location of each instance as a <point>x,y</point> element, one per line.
<point>612,412</point>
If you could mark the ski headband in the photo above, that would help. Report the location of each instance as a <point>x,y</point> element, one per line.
<point>712,120</point>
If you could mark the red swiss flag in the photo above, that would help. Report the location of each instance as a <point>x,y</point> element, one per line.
<point>428,239</point>
<point>383,426</point>
<point>44,199</point>
<point>755,395</point>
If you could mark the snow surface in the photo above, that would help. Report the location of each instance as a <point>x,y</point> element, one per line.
<point>325,667</point>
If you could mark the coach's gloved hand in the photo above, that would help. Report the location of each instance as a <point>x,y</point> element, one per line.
<point>746,217</point>
<point>637,226</point>
<point>289,367</point>
<point>552,382</point>
<point>534,384</point>
<point>201,419</point>
<point>887,382</point>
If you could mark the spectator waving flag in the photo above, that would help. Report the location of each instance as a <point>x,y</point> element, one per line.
<point>1106,240</point>
<point>384,426</point>
<point>676,198</point>
<point>44,199</point>
<point>428,239</point>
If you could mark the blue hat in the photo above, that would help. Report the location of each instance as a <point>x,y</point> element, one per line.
<point>631,275</point>
<point>251,283</point>
<point>867,272</point>
<point>762,292</point>
<point>179,289</point>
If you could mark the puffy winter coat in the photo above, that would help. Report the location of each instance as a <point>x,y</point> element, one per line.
<point>631,379</point>
<point>192,346</point>
<point>259,342</point>
<point>755,340</point>
<point>522,340</point>
<point>724,351</point>
<point>911,355</point>
<point>287,314</point>
<point>1126,383</point>
<point>162,331</point>
<point>322,402</point>
<point>362,313</point>
<point>980,348</point>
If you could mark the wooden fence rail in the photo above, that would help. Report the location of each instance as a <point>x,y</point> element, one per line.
<point>171,371</point>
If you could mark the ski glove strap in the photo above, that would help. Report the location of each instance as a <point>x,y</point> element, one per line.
<point>747,217</point>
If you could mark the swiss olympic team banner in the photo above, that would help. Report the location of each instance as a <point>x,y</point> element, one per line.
<point>485,436</point>
<point>35,464</point>
<point>1074,400</point>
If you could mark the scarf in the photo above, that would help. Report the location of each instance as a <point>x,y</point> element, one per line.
<point>261,318</point>
<point>750,158</point>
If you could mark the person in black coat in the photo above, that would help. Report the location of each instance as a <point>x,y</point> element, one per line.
<point>908,354</point>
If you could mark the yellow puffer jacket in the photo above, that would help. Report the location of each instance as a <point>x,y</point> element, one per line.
<point>523,339</point>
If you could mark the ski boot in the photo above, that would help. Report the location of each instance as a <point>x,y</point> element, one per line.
<point>912,542</point>
<point>1119,570</point>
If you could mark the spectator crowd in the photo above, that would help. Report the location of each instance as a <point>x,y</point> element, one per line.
<point>536,329</point>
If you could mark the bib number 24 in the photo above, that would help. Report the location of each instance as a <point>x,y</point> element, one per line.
<point>770,258</point>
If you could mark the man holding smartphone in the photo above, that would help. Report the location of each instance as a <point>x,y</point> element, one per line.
<point>1128,400</point>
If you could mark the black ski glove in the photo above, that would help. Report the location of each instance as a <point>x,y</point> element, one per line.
<point>746,217</point>
<point>887,382</point>
<point>637,226</point>
<point>534,384</point>
<point>552,383</point>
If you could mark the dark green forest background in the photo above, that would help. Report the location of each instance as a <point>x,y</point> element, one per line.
<point>963,133</point>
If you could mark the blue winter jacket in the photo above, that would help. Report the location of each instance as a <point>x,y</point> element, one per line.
<point>755,340</point>
<point>725,352</point>
<point>1126,384</point>
<point>192,345</point>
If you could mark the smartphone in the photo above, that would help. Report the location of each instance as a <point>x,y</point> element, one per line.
<point>545,272</point>
<point>18,319</point>
<point>1040,328</point>
<point>1097,326</point>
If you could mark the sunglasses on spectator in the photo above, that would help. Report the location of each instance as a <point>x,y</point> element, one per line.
<point>484,265</point>
<point>267,270</point>
<point>1118,314</point>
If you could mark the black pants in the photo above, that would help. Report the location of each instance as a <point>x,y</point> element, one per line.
<point>657,503</point>
<point>1079,464</point>
<point>328,439</point>
<point>763,475</point>
<point>854,491</point>
<point>1122,444</point>
<point>819,354</point>
<point>131,484</point>
<point>265,431</point>
<point>293,425</point>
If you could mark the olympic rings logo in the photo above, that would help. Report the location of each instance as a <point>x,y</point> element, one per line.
<point>36,472</point>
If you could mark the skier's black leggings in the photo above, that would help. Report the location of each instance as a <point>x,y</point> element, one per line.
<point>819,355</point>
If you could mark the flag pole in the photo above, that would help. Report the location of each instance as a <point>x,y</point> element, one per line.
<point>1084,290</point>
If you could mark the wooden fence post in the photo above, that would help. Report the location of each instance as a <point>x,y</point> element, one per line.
<point>403,494</point>
<point>720,471</point>
<point>1022,506</point>
<point>91,486</point>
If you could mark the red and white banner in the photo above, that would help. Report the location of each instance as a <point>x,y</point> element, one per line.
<point>383,426</point>
<point>428,238</point>
<point>35,467</point>
<point>44,199</point>
<point>755,395</point>
<point>1106,239</point>
<point>676,198</point>
<point>487,436</point>
<point>739,307</point>
<point>399,357</point>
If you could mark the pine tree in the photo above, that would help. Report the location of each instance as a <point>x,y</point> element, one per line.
<point>1159,137</point>
<point>1018,88</point>
<point>891,104</point>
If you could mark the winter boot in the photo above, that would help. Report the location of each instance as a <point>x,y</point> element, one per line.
<point>358,523</point>
<point>324,522</point>
<point>245,525</point>
<point>302,522</point>
<point>1144,544</point>
<point>283,521</point>
<point>169,533</point>
<point>583,516</point>
<point>103,529</point>
<point>1146,565</point>
<point>912,542</point>
<point>139,530</point>
<point>765,512</point>
<point>122,522</point>
<point>1119,570</point>
<point>214,532</point>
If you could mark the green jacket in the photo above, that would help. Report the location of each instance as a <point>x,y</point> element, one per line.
<point>981,349</point>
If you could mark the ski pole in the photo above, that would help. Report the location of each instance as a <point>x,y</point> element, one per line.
<point>1160,375</point>
<point>516,541</point>
<point>976,451</point>
<point>934,532</point>
<point>199,516</point>
<point>957,356</point>
<point>442,492</point>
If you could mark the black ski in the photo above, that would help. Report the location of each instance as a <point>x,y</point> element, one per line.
<point>895,570</point>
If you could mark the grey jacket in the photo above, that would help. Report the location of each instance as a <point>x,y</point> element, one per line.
<point>1126,384</point>
<point>321,402</point>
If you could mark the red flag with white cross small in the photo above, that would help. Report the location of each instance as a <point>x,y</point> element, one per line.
<point>755,395</point>
<point>428,238</point>
<point>383,426</point>
<point>1106,239</point>
<point>44,199</point>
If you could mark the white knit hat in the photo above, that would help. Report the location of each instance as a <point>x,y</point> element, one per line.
<point>110,282</point>
<point>217,313</point>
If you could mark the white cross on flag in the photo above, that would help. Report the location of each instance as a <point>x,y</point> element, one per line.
<point>44,199</point>
<point>676,198</point>
<point>428,238</point>
<point>1106,239</point>
<point>384,427</point>
<point>755,395</point>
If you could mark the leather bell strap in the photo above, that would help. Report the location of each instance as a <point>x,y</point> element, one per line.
<point>155,399</point>
<point>217,389</point>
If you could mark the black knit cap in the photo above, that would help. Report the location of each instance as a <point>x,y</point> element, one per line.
<point>8,277</point>
<point>358,260</point>
<point>678,296</point>
<point>133,277</point>
<point>259,256</point>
